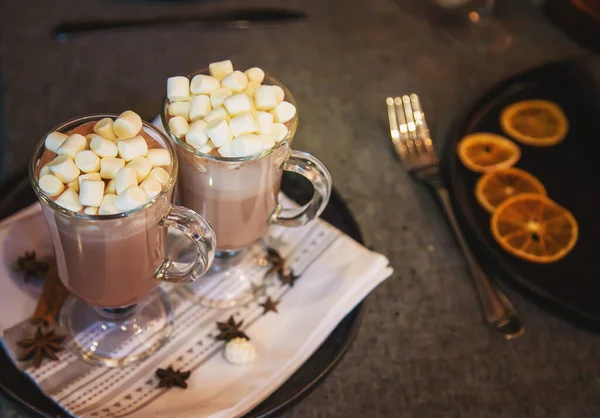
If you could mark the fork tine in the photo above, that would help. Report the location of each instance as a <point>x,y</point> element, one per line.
<point>421,125</point>
<point>402,129</point>
<point>415,140</point>
<point>393,120</point>
<point>403,126</point>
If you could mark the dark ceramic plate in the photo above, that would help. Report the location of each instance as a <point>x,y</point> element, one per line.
<point>570,171</point>
<point>16,194</point>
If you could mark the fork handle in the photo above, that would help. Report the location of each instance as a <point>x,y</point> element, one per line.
<point>498,309</point>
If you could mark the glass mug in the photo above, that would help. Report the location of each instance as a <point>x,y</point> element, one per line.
<point>113,264</point>
<point>471,24</point>
<point>239,198</point>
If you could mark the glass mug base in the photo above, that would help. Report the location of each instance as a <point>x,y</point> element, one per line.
<point>117,337</point>
<point>229,281</point>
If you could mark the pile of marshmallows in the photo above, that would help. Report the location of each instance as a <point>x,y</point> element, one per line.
<point>107,172</point>
<point>228,110</point>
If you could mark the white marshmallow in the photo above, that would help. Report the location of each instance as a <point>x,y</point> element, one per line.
<point>196,136</point>
<point>73,144</point>
<point>255,74</point>
<point>237,104</point>
<point>64,168</point>
<point>279,93</point>
<point>199,107</point>
<point>91,193</point>
<point>54,140</point>
<point>178,89</point>
<point>151,187</point>
<point>104,128</point>
<point>133,147</point>
<point>69,200</point>
<point>74,185</point>
<point>267,140</point>
<point>283,112</point>
<point>278,131</point>
<point>208,147</point>
<point>90,210</point>
<point>126,177</point>
<point>264,120</point>
<point>220,69</point>
<point>245,145</point>
<point>159,174</point>
<point>226,151</point>
<point>142,167</point>
<point>90,176</point>
<point>158,156</point>
<point>127,125</point>
<point>45,170</point>
<point>243,124</point>
<point>180,109</point>
<point>217,113</point>
<point>179,126</point>
<point>110,166</point>
<point>111,187</point>
<point>130,199</point>
<point>204,84</point>
<point>51,185</point>
<point>87,161</point>
<point>107,207</point>
<point>103,147</point>
<point>217,96</point>
<point>236,81</point>
<point>219,133</point>
<point>265,98</point>
<point>251,88</point>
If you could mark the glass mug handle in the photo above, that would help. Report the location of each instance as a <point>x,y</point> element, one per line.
<point>314,171</point>
<point>201,234</point>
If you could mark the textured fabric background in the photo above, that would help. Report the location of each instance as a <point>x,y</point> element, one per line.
<point>423,349</point>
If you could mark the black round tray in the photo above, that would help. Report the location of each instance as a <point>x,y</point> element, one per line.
<point>570,171</point>
<point>16,193</point>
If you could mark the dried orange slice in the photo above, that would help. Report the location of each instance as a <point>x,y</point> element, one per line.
<point>495,187</point>
<point>484,152</point>
<point>534,228</point>
<point>535,122</point>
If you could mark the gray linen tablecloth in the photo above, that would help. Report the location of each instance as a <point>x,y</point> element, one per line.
<point>423,349</point>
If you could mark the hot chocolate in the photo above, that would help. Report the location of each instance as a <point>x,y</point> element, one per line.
<point>116,264</point>
<point>237,127</point>
<point>109,263</point>
<point>237,199</point>
<point>232,132</point>
<point>106,197</point>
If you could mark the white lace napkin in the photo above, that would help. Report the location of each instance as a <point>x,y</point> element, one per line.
<point>336,274</point>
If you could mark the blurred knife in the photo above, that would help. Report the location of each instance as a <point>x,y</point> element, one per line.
<point>235,19</point>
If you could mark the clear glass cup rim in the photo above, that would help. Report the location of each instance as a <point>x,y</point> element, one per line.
<point>72,123</point>
<point>183,144</point>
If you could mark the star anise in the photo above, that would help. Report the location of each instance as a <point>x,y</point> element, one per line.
<point>40,346</point>
<point>277,262</point>
<point>169,378</point>
<point>288,278</point>
<point>276,268</point>
<point>230,330</point>
<point>31,267</point>
<point>273,256</point>
<point>269,305</point>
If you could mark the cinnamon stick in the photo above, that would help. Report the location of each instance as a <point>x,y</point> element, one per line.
<point>53,296</point>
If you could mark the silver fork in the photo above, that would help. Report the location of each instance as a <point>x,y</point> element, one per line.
<point>413,144</point>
